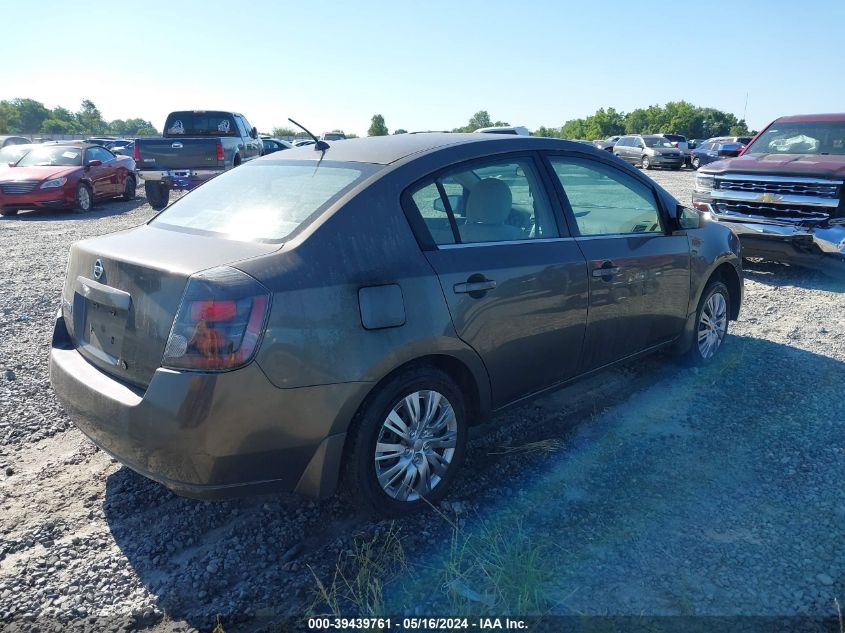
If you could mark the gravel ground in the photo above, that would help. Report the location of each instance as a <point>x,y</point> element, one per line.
<point>650,489</point>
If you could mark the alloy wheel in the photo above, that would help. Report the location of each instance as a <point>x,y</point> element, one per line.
<point>416,445</point>
<point>83,198</point>
<point>712,325</point>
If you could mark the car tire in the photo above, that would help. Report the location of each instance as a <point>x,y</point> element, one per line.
<point>84,199</point>
<point>158,194</point>
<point>645,162</point>
<point>236,161</point>
<point>129,188</point>
<point>711,324</point>
<point>696,163</point>
<point>390,482</point>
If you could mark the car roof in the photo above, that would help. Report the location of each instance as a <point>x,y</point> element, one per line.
<point>806,118</point>
<point>385,150</point>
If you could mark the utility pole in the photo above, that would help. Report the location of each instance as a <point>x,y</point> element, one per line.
<point>745,109</point>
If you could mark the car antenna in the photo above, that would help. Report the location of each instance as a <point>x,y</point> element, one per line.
<point>320,146</point>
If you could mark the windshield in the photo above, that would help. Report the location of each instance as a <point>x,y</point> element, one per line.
<point>200,124</point>
<point>812,137</point>
<point>11,154</point>
<point>264,202</point>
<point>56,155</point>
<point>657,142</point>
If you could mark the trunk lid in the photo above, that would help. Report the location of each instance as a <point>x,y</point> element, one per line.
<point>178,153</point>
<point>120,319</point>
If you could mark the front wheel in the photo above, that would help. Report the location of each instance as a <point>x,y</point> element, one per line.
<point>84,200</point>
<point>646,163</point>
<point>711,323</point>
<point>407,443</point>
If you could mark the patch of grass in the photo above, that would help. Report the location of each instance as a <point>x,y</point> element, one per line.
<point>497,569</point>
<point>357,585</point>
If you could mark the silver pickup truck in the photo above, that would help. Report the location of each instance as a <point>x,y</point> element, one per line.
<point>196,146</point>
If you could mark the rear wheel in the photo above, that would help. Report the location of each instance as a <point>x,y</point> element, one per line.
<point>711,323</point>
<point>646,163</point>
<point>696,162</point>
<point>84,200</point>
<point>129,188</point>
<point>406,444</point>
<point>158,194</point>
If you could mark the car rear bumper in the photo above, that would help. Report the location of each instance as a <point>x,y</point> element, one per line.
<point>207,435</point>
<point>180,178</point>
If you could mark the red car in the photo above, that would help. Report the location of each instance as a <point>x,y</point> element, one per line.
<point>71,176</point>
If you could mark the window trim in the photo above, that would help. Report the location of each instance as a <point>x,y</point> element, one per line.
<point>420,229</point>
<point>548,155</point>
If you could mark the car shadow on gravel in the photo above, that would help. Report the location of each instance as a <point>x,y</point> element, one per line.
<point>721,465</point>
<point>779,274</point>
<point>104,209</point>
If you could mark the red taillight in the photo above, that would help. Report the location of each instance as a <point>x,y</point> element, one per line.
<point>220,155</point>
<point>213,310</point>
<point>136,153</point>
<point>220,322</point>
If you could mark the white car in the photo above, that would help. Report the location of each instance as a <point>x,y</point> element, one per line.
<point>518,130</point>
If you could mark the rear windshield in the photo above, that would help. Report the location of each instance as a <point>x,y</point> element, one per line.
<point>675,138</point>
<point>200,124</point>
<point>812,137</point>
<point>263,202</point>
<point>55,155</point>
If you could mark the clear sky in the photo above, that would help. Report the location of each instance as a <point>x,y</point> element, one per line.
<point>424,65</point>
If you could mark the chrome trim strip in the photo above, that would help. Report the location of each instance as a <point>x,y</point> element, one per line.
<point>780,179</point>
<point>443,247</point>
<point>773,198</point>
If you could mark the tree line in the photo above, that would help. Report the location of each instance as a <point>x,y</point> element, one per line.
<point>27,116</point>
<point>676,117</point>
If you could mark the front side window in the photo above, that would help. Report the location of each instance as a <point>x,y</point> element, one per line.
<point>606,201</point>
<point>486,202</point>
<point>100,154</point>
<point>658,142</point>
<point>263,202</point>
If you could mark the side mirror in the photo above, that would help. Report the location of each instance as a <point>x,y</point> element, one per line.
<point>254,132</point>
<point>688,218</point>
<point>94,163</point>
<point>11,163</point>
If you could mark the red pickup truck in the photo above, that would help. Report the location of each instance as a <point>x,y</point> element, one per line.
<point>784,194</point>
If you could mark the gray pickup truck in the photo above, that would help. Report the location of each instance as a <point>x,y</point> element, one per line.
<point>196,146</point>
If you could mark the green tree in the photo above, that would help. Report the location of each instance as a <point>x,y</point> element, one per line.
<point>90,119</point>
<point>23,115</point>
<point>550,132</point>
<point>479,120</point>
<point>575,128</point>
<point>377,126</point>
<point>400,131</point>
<point>283,131</point>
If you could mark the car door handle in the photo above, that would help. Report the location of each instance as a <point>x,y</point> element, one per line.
<point>608,271</point>
<point>474,286</point>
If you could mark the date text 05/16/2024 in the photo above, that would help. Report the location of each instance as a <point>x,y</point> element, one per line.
<point>416,624</point>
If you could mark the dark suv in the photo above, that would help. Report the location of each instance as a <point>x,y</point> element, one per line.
<point>316,316</point>
<point>650,150</point>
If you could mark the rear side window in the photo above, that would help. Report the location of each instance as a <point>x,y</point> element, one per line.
<point>606,201</point>
<point>200,124</point>
<point>486,202</point>
<point>266,202</point>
